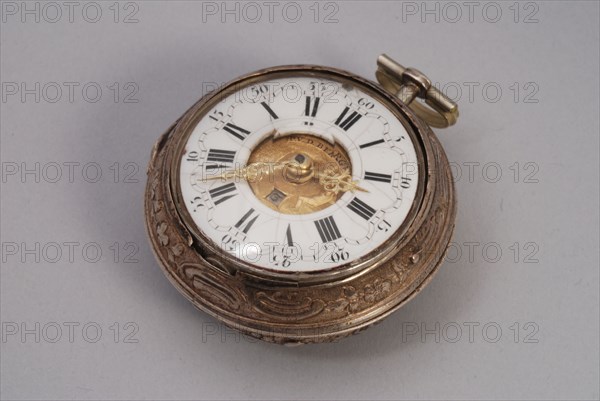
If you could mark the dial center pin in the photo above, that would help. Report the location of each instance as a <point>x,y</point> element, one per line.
<point>300,170</point>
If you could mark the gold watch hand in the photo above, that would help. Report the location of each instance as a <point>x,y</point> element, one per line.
<point>341,182</point>
<point>330,180</point>
<point>249,172</point>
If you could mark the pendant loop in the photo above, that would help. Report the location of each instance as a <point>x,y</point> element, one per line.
<point>408,84</point>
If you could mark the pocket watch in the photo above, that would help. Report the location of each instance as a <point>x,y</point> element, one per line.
<point>301,203</point>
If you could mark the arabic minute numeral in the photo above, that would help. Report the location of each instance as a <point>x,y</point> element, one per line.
<point>365,103</point>
<point>339,255</point>
<point>193,156</point>
<point>259,91</point>
<point>229,243</point>
<point>217,116</point>
<point>384,226</point>
<point>197,203</point>
<point>405,182</point>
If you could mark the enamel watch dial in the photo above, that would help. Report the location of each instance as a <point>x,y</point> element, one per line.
<point>302,204</point>
<point>284,137</point>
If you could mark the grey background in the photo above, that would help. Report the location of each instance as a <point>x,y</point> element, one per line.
<point>548,289</point>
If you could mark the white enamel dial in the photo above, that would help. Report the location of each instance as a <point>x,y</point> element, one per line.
<point>228,212</point>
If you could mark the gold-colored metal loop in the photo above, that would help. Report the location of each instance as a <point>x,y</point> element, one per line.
<point>408,84</point>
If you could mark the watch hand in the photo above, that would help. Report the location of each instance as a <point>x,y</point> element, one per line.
<point>249,172</point>
<point>341,182</point>
<point>330,180</point>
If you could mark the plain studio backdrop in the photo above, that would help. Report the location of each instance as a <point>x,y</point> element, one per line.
<point>87,88</point>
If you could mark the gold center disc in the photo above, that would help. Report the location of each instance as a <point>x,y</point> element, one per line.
<point>291,184</point>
